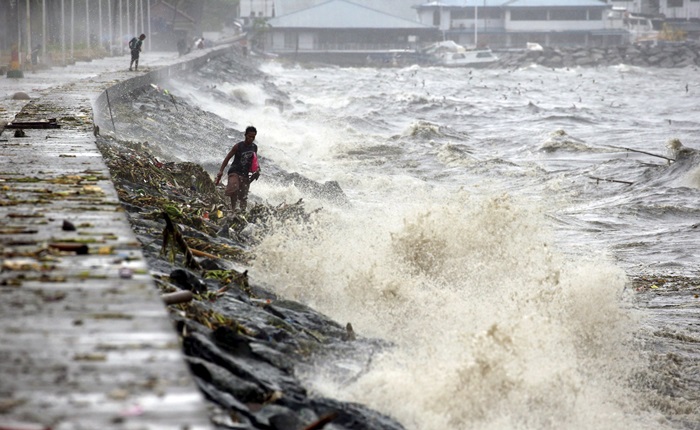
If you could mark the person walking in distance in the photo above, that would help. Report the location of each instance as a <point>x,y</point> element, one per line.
<point>244,169</point>
<point>135,47</point>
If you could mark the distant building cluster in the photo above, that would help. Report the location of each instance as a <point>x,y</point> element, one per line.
<point>301,26</point>
<point>670,9</point>
<point>342,27</point>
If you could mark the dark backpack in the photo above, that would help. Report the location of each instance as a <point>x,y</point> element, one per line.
<point>132,43</point>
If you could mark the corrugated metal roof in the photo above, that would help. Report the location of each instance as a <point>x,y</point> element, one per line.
<point>557,3</point>
<point>464,3</point>
<point>401,8</point>
<point>514,3</point>
<point>342,14</point>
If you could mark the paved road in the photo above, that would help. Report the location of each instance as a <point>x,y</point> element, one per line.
<point>85,341</point>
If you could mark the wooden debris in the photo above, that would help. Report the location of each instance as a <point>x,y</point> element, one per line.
<point>642,152</point>
<point>177,297</point>
<point>172,236</point>
<point>199,253</point>
<point>48,123</point>
<point>595,178</point>
<point>78,248</point>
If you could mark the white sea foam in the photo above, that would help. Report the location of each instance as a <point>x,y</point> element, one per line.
<point>493,327</point>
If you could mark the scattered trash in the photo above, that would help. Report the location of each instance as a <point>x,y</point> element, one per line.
<point>21,265</point>
<point>126,273</point>
<point>90,357</point>
<point>78,248</point>
<point>118,394</point>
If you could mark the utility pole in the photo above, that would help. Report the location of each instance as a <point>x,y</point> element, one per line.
<point>148,20</point>
<point>476,26</point>
<point>43,31</point>
<point>99,26</point>
<point>121,28</point>
<point>109,22</point>
<point>128,20</point>
<point>72,31</point>
<point>87,25</point>
<point>63,32</point>
<point>28,27</point>
<point>143,24</point>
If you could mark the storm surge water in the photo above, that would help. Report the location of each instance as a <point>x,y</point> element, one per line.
<point>484,238</point>
<point>492,327</point>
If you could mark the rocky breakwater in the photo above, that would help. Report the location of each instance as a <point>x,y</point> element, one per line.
<point>242,342</point>
<point>246,346</point>
<point>666,55</point>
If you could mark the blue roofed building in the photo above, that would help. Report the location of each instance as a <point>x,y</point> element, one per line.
<point>340,30</point>
<point>514,23</point>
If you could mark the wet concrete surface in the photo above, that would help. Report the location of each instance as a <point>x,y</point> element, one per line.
<point>85,340</point>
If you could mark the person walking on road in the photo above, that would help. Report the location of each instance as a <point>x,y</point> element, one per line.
<point>244,169</point>
<point>135,46</point>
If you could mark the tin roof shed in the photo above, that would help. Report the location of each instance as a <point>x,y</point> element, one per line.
<point>513,3</point>
<point>463,3</point>
<point>343,14</point>
<point>556,3</point>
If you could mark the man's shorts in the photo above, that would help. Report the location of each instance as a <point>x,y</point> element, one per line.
<point>237,185</point>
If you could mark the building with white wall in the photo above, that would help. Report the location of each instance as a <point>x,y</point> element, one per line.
<point>274,8</point>
<point>344,31</point>
<point>672,9</point>
<point>680,9</point>
<point>514,23</point>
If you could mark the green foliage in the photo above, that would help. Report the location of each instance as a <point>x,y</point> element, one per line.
<point>259,28</point>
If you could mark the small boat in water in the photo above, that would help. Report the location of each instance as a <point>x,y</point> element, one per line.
<point>450,54</point>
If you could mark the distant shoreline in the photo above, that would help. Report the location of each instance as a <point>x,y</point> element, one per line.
<point>663,55</point>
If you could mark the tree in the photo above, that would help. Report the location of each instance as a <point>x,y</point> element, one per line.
<point>258,29</point>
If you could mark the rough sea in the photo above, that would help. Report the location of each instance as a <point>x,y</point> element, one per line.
<point>495,219</point>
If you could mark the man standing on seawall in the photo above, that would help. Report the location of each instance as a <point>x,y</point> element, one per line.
<point>245,161</point>
<point>135,46</point>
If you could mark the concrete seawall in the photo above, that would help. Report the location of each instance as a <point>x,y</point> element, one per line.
<point>86,342</point>
<point>660,56</point>
<point>160,74</point>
